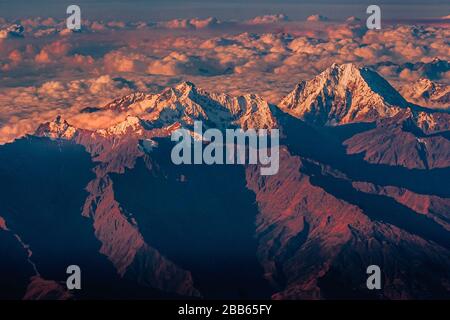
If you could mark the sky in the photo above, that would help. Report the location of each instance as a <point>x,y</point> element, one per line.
<point>231,9</point>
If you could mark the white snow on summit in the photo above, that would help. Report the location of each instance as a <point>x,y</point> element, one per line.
<point>427,93</point>
<point>186,103</point>
<point>343,94</point>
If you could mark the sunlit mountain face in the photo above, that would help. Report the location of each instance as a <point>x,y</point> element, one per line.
<point>88,178</point>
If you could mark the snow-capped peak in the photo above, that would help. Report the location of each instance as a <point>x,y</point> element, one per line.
<point>58,128</point>
<point>342,94</point>
<point>131,124</point>
<point>186,103</point>
<point>124,103</point>
<point>185,87</point>
<point>180,106</point>
<point>427,93</point>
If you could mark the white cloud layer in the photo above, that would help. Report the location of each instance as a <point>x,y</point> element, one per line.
<point>61,75</point>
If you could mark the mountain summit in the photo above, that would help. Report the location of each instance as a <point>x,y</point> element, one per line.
<point>427,93</point>
<point>342,199</point>
<point>186,103</point>
<point>56,129</point>
<point>343,94</point>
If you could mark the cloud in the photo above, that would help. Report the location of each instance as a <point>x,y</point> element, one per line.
<point>268,19</point>
<point>194,23</point>
<point>26,107</point>
<point>180,63</point>
<point>51,52</point>
<point>317,18</point>
<point>61,75</point>
<point>12,31</point>
<point>97,120</point>
<point>117,61</point>
<point>14,58</point>
<point>409,75</point>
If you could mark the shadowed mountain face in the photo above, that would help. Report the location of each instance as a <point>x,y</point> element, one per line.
<point>15,270</point>
<point>42,186</point>
<point>363,180</point>
<point>201,217</point>
<point>42,192</point>
<point>318,233</point>
<point>327,145</point>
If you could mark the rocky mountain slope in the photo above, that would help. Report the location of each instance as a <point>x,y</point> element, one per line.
<point>363,180</point>
<point>427,93</point>
<point>343,94</point>
<point>186,103</point>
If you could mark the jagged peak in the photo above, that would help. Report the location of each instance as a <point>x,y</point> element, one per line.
<point>424,80</point>
<point>343,93</point>
<point>59,121</point>
<point>360,80</point>
<point>255,96</point>
<point>185,86</point>
<point>182,89</point>
<point>187,89</point>
<point>183,103</point>
<point>57,128</point>
<point>124,102</point>
<point>422,85</point>
<point>427,84</point>
<point>345,69</point>
<point>131,120</point>
<point>336,74</point>
<point>437,59</point>
<point>130,124</point>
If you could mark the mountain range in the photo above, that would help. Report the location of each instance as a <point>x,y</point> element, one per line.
<point>363,180</point>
